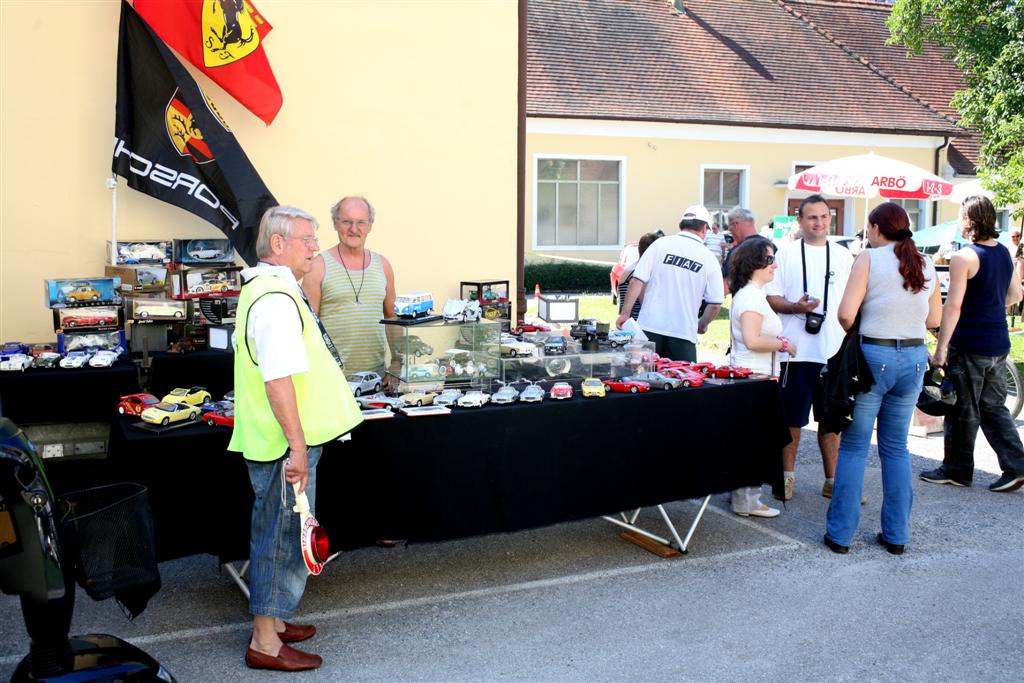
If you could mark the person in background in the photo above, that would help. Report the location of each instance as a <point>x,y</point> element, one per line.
<point>645,241</point>
<point>857,244</point>
<point>714,240</point>
<point>741,226</point>
<point>756,337</point>
<point>973,344</point>
<point>895,291</point>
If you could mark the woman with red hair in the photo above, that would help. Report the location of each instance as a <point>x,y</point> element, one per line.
<point>893,289</point>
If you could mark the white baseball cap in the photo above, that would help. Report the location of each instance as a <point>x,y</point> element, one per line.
<point>697,213</point>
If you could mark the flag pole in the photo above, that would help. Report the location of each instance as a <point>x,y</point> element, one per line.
<point>112,186</point>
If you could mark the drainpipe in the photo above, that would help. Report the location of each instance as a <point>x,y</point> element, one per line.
<point>521,167</point>
<point>938,151</point>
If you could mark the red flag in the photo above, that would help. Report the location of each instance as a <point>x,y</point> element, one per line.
<point>222,38</point>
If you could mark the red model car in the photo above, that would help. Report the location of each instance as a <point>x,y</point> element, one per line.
<point>530,327</point>
<point>706,369</point>
<point>662,363</point>
<point>224,418</point>
<point>632,386</point>
<point>732,371</point>
<point>88,320</point>
<point>689,378</point>
<point>561,390</point>
<point>134,404</point>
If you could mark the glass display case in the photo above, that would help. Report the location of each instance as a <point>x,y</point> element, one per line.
<point>437,354</point>
<point>574,365</point>
<point>493,296</point>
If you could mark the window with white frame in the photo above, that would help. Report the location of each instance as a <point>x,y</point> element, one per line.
<point>916,210</point>
<point>723,189</point>
<point>578,202</point>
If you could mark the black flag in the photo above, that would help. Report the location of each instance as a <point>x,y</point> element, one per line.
<point>171,143</point>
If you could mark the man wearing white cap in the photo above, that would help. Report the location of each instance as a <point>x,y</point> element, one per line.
<point>674,276</point>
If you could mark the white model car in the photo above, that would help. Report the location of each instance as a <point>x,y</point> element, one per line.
<point>135,252</point>
<point>447,397</point>
<point>206,254</point>
<point>75,359</point>
<point>364,383</point>
<point>380,400</point>
<point>461,310</point>
<point>473,399</point>
<point>505,395</point>
<point>103,359</point>
<point>532,394</point>
<point>619,337</point>
<point>512,347</point>
<point>15,362</point>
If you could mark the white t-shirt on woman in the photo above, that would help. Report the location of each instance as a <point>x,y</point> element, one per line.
<point>752,298</point>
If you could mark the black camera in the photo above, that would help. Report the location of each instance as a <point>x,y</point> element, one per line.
<point>813,323</point>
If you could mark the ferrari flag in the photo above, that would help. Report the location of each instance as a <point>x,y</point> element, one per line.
<point>223,39</point>
<point>171,143</point>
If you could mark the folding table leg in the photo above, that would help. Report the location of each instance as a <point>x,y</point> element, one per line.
<point>238,575</point>
<point>676,543</point>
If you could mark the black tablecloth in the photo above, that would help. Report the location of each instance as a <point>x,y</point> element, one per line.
<point>66,394</point>
<point>495,469</point>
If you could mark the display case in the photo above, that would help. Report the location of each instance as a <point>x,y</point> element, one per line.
<point>574,365</point>
<point>438,354</point>
<point>493,296</point>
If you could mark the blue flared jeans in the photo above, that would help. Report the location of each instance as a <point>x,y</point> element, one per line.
<point>277,572</point>
<point>899,373</point>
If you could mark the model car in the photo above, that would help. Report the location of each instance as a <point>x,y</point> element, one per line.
<point>148,278</point>
<point>661,364</point>
<point>555,346</point>
<point>15,362</point>
<point>11,348</point>
<point>45,360</point>
<point>75,359</point>
<point>619,337</point>
<point>364,383</point>
<point>461,310</point>
<point>214,406</point>
<point>380,400</point>
<point>505,395</point>
<point>411,346</point>
<point>447,397</point>
<point>230,396</point>
<point>134,404</point>
<point>424,372</point>
<point>212,286</point>
<point>703,368</point>
<point>472,399</point>
<point>224,417</point>
<point>83,293</point>
<point>206,254</point>
<point>656,379</point>
<point>165,413</point>
<point>529,327</point>
<point>689,378</point>
<point>584,327</point>
<point>414,304</point>
<point>419,398</point>
<point>624,385</point>
<point>512,347</point>
<point>732,371</point>
<point>534,393</point>
<point>593,387</point>
<point>157,309</point>
<point>103,359</point>
<point>88,320</point>
<point>90,342</point>
<point>561,391</point>
<point>194,396</point>
<point>139,251</point>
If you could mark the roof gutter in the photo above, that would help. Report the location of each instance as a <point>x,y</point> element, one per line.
<point>946,140</point>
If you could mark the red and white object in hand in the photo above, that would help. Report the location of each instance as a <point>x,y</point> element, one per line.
<point>312,536</point>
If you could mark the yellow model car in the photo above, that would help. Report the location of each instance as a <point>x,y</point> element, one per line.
<point>592,387</point>
<point>196,396</point>
<point>166,413</point>
<point>83,293</point>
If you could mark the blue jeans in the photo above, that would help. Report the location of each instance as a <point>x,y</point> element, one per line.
<point>899,373</point>
<point>277,572</point>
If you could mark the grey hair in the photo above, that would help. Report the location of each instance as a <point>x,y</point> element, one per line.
<point>336,209</point>
<point>278,221</point>
<point>739,214</point>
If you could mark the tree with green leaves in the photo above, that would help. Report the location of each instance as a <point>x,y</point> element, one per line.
<point>985,39</point>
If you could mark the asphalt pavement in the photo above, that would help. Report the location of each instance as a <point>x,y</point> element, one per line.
<point>753,599</point>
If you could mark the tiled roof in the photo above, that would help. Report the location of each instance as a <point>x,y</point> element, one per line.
<point>931,77</point>
<point>735,62</point>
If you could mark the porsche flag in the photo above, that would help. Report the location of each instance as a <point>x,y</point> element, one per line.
<point>171,143</point>
<point>224,40</point>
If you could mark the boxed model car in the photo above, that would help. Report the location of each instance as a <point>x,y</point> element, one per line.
<point>139,278</point>
<point>83,292</point>
<point>204,251</point>
<point>192,282</point>
<point>90,341</point>
<point>163,309</point>
<point>79,318</point>
<point>141,251</point>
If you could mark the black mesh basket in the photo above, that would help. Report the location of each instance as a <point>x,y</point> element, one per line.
<point>108,539</point>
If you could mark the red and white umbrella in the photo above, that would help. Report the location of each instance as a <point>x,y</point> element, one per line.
<point>871,175</point>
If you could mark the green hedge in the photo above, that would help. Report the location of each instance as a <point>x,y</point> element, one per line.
<point>566,277</point>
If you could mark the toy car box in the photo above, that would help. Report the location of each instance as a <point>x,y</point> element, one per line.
<point>192,282</point>
<point>91,318</point>
<point>150,278</point>
<point>141,251</point>
<point>86,341</point>
<point>204,252</point>
<point>157,309</point>
<point>83,292</point>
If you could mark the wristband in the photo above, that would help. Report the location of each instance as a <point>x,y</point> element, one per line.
<point>785,344</point>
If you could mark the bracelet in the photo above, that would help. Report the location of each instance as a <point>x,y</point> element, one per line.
<point>785,344</point>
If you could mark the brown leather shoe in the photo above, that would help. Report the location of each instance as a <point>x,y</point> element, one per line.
<point>288,659</point>
<point>296,633</point>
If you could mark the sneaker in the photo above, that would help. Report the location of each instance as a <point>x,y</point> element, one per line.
<point>1007,483</point>
<point>789,483</point>
<point>939,476</point>
<point>761,511</point>
<point>826,491</point>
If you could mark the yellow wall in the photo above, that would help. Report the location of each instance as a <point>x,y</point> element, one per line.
<point>663,177</point>
<point>410,102</point>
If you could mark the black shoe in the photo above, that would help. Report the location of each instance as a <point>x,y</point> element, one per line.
<point>893,548</point>
<point>939,476</point>
<point>835,547</point>
<point>1007,483</point>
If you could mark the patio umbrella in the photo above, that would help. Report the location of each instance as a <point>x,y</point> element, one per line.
<point>940,234</point>
<point>969,189</point>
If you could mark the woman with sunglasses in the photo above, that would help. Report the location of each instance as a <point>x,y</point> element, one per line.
<point>755,330</point>
<point>893,289</point>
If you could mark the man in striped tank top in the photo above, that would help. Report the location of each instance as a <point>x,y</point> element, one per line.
<point>351,288</point>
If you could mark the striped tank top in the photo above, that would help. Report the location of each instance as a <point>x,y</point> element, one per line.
<point>355,327</point>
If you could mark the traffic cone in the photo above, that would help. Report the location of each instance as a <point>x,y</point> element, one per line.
<point>536,291</point>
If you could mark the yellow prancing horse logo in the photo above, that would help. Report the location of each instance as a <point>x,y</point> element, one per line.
<point>229,31</point>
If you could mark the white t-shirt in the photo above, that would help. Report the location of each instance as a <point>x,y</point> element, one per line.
<point>274,327</point>
<point>679,273</point>
<point>714,241</point>
<point>789,284</point>
<point>751,298</point>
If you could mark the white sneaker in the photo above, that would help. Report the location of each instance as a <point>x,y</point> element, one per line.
<point>760,511</point>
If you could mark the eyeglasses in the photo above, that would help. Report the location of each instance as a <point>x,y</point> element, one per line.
<point>362,225</point>
<point>767,261</point>
<point>311,241</point>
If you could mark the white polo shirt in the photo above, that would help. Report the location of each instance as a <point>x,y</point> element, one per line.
<point>275,328</point>
<point>679,272</point>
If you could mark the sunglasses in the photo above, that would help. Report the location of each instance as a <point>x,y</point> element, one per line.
<point>768,260</point>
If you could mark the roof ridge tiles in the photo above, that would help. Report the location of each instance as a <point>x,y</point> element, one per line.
<point>865,61</point>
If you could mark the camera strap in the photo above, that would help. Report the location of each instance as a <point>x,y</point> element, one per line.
<point>828,267</point>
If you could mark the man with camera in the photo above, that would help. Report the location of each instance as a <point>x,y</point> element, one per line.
<point>808,286</point>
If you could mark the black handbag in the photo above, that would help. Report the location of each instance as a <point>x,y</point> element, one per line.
<point>846,375</point>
